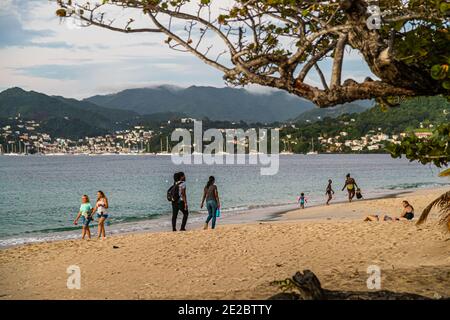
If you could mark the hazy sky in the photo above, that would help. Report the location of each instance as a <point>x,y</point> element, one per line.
<point>39,52</point>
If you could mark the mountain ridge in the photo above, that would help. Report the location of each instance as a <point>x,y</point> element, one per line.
<point>231,104</point>
<point>100,114</point>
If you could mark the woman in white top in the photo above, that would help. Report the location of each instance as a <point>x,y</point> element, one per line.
<point>100,207</point>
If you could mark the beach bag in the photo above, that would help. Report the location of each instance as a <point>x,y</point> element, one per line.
<point>218,213</point>
<point>173,194</point>
<point>358,194</point>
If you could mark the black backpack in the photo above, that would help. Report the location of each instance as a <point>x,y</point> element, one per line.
<point>173,194</point>
<point>358,194</point>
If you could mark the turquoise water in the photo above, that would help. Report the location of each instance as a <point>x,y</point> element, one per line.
<point>40,196</point>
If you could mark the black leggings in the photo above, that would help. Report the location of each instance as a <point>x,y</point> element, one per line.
<point>179,206</point>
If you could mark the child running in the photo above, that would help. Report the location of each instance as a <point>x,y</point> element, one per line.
<point>329,191</point>
<point>85,214</point>
<point>302,200</point>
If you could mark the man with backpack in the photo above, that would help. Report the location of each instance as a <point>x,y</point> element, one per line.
<point>177,196</point>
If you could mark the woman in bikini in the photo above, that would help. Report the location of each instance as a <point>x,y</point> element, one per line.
<point>408,211</point>
<point>351,186</point>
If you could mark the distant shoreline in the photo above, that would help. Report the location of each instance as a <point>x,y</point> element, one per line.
<point>169,154</point>
<point>258,214</point>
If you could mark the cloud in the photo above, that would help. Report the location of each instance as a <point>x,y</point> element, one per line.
<point>53,71</point>
<point>91,77</point>
<point>13,33</point>
<point>38,51</point>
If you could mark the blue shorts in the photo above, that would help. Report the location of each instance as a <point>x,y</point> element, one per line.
<point>85,221</point>
<point>102,215</point>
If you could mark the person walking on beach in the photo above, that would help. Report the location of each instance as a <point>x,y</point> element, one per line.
<point>329,191</point>
<point>302,200</point>
<point>100,207</point>
<point>179,200</point>
<point>211,195</point>
<point>85,213</point>
<point>351,186</point>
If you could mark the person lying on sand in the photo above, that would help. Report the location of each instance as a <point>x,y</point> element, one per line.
<point>376,217</point>
<point>407,214</point>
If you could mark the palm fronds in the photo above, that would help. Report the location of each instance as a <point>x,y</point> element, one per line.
<point>443,203</point>
<point>445,173</point>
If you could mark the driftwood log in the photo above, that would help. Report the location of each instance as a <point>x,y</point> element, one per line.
<point>309,288</point>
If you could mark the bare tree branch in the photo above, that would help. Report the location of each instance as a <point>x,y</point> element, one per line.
<point>277,43</point>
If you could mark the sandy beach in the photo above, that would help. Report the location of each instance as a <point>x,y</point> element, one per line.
<point>239,261</point>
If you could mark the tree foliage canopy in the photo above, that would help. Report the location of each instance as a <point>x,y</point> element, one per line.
<point>435,149</point>
<point>279,43</point>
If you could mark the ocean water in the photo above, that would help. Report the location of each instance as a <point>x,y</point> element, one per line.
<point>40,195</point>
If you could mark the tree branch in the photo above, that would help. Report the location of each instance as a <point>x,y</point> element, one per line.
<point>338,60</point>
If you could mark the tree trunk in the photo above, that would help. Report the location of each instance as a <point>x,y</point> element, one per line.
<point>309,288</point>
<point>377,54</point>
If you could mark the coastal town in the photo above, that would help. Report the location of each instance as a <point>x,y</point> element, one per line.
<point>27,137</point>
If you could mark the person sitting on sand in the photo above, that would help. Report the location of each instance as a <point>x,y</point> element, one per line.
<point>351,186</point>
<point>100,207</point>
<point>408,211</point>
<point>85,213</point>
<point>302,200</point>
<point>211,195</point>
<point>407,214</point>
<point>329,191</point>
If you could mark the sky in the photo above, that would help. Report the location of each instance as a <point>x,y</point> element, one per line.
<point>40,52</point>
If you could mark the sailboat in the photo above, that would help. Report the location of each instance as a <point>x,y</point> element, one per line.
<point>312,152</point>
<point>164,153</point>
<point>286,151</point>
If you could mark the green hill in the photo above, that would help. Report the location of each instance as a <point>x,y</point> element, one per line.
<point>410,115</point>
<point>318,114</point>
<point>60,116</point>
